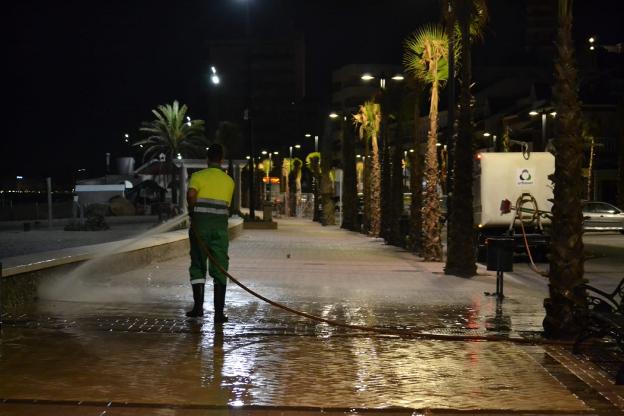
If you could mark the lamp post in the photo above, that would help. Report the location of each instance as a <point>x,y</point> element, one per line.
<point>544,115</point>
<point>268,169</point>
<point>493,136</point>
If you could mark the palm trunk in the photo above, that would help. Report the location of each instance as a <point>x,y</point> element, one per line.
<point>432,242</point>
<point>416,176</point>
<point>590,169</point>
<point>366,221</point>
<point>386,191</point>
<point>460,260</point>
<point>327,186</point>
<point>566,257</point>
<point>396,203</point>
<point>349,177</point>
<point>375,186</point>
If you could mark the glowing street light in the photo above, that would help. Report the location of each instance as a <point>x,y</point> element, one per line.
<point>214,78</point>
<point>308,134</point>
<point>367,77</point>
<point>333,115</point>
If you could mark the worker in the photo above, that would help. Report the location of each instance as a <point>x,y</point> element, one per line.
<point>209,196</point>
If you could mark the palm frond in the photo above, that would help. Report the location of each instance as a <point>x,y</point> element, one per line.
<point>425,49</point>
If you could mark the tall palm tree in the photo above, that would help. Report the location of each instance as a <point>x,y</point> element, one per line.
<point>426,58</point>
<point>415,163</point>
<point>297,165</point>
<point>368,121</point>
<point>172,134</point>
<point>349,190</point>
<point>313,163</point>
<point>472,16</point>
<point>327,181</point>
<point>566,292</point>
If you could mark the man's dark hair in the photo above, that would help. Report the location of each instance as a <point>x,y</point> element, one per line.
<point>215,153</point>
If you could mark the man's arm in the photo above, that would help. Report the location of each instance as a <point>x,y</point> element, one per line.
<point>191,198</point>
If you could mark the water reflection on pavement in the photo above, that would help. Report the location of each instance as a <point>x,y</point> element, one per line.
<point>87,349</point>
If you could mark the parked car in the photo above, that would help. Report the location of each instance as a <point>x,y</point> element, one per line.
<point>601,216</point>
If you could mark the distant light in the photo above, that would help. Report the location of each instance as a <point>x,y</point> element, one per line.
<point>411,150</point>
<point>398,77</point>
<point>126,140</point>
<point>126,135</point>
<point>333,115</point>
<point>179,156</point>
<point>247,157</point>
<point>19,177</point>
<point>486,134</point>
<point>308,134</point>
<point>141,146</point>
<point>533,113</point>
<point>438,144</point>
<point>215,79</point>
<point>358,155</point>
<point>367,77</point>
<point>276,153</point>
<point>264,152</point>
<point>553,113</point>
<point>213,69</point>
<point>592,39</point>
<point>206,148</point>
<point>188,118</point>
<point>592,47</point>
<point>297,146</point>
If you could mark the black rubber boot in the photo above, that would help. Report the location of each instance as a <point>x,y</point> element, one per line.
<point>198,299</point>
<point>219,302</point>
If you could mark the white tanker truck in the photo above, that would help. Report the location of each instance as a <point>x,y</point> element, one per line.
<point>522,178</point>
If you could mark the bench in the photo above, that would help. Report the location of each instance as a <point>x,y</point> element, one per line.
<point>604,318</point>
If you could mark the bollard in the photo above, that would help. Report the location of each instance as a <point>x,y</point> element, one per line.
<point>500,259</point>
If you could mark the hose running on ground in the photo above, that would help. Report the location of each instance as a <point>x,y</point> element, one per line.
<point>378,330</point>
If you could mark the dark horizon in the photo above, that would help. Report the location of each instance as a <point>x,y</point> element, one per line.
<point>82,74</point>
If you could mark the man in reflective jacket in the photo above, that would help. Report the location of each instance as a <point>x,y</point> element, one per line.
<point>209,196</point>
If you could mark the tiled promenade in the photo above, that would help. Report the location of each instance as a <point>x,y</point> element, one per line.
<point>122,346</point>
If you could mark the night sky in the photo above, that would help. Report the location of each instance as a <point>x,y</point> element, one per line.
<point>82,73</point>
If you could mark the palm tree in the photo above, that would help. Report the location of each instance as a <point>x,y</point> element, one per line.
<point>297,169</point>
<point>313,163</point>
<point>327,181</point>
<point>172,134</point>
<point>426,55</point>
<point>472,16</point>
<point>368,121</point>
<point>349,190</point>
<point>415,163</point>
<point>566,292</point>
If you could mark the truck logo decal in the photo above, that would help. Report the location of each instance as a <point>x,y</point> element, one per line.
<point>524,177</point>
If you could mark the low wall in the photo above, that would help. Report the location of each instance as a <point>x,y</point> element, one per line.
<point>19,279</point>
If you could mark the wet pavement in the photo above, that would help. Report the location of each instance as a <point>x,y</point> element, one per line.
<point>121,344</point>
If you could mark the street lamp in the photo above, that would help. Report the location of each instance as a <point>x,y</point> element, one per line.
<point>488,134</point>
<point>268,168</point>
<point>214,78</point>
<point>382,78</point>
<point>594,45</point>
<point>544,113</point>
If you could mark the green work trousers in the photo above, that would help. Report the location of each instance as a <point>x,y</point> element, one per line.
<point>213,231</point>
